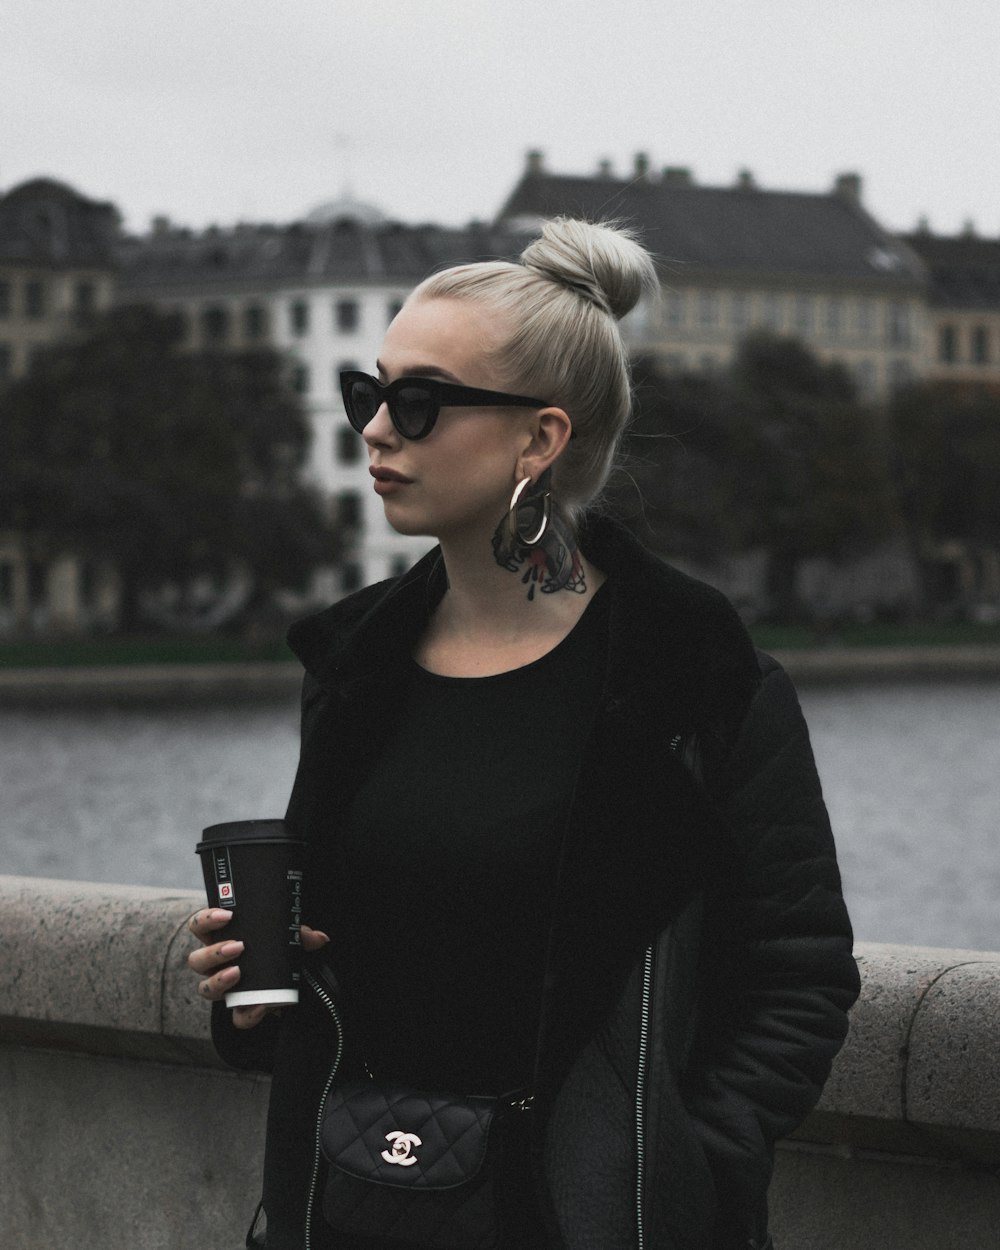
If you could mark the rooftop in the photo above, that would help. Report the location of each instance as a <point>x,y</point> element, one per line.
<point>742,228</point>
<point>47,223</point>
<point>964,269</point>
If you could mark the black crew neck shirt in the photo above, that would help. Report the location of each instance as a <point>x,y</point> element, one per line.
<point>450,856</point>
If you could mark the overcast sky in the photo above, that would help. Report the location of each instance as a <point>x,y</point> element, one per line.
<point>226,110</point>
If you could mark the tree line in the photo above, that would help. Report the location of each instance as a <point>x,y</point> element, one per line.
<point>778,454</point>
<point>179,465</point>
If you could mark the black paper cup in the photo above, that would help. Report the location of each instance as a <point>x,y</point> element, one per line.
<point>253,868</point>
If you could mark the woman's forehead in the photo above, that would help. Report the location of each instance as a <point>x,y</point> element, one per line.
<point>448,338</point>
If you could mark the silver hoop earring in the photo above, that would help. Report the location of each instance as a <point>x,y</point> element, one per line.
<point>529,511</point>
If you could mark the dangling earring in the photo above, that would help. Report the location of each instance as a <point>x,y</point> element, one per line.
<point>529,511</point>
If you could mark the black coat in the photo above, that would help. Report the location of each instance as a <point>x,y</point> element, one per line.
<point>698,875</point>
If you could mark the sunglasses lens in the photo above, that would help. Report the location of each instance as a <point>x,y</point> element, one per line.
<point>363,401</point>
<point>414,410</point>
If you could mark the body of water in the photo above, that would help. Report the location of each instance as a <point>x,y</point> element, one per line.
<point>911,773</point>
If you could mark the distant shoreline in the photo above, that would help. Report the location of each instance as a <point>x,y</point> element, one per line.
<point>261,681</point>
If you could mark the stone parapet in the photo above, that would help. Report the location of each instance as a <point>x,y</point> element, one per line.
<point>120,1129</point>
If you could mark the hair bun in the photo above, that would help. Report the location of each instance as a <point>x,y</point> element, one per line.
<point>601,262</point>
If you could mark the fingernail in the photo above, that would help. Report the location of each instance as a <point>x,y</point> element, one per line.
<point>229,974</point>
<point>228,949</point>
<point>219,913</point>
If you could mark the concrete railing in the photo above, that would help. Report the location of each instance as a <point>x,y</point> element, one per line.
<point>120,1130</point>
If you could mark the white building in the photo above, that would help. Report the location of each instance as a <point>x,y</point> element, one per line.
<point>322,292</point>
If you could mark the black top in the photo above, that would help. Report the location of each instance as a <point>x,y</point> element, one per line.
<point>450,853</point>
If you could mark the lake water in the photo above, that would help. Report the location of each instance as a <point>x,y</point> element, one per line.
<point>911,773</point>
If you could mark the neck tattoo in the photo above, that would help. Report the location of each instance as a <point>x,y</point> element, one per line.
<point>554,563</point>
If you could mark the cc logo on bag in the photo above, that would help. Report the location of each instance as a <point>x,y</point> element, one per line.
<point>402,1143</point>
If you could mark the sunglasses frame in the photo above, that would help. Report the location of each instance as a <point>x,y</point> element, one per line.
<point>442,395</point>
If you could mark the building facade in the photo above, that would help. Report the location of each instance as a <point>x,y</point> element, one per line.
<point>57,272</point>
<point>738,259</point>
<point>963,306</point>
<point>322,292</point>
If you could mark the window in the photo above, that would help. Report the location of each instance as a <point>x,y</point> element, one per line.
<point>6,363</point>
<point>674,362</point>
<point>708,364</point>
<point>948,344</point>
<point>299,315</point>
<point>4,299</point>
<point>346,315</point>
<point>6,585</point>
<point>393,308</point>
<point>34,298</point>
<point>774,313</point>
<point>349,510</point>
<point>865,318</point>
<point>398,565</point>
<point>980,345</point>
<point>215,325</point>
<point>898,324</point>
<point>351,577</point>
<point>708,309</point>
<point>347,444</point>
<point>300,379</point>
<point>254,322</point>
<point>84,299</point>
<point>739,311</point>
<point>805,314</point>
<point>673,308</point>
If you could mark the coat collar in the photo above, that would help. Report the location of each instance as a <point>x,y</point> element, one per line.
<point>676,643</point>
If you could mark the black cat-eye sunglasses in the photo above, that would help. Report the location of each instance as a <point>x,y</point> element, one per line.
<point>414,403</point>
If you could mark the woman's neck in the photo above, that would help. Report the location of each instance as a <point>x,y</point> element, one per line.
<point>486,623</point>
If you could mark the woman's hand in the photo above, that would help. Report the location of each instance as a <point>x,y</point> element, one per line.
<point>214,961</point>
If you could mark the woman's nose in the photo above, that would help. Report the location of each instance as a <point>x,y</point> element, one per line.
<point>380,428</point>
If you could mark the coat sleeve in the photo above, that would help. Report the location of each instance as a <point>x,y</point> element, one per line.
<point>777,973</point>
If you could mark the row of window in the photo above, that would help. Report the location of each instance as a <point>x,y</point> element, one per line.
<point>832,317</point>
<point>978,348</point>
<point>302,377</point>
<point>346,315</point>
<point>32,298</point>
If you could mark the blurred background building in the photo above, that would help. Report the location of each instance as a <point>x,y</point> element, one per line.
<point>322,290</point>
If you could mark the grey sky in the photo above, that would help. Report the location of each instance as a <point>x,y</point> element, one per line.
<point>221,110</point>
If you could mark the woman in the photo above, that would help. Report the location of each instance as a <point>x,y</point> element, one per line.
<point>565,830</point>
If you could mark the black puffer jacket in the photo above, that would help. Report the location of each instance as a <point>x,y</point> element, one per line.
<point>701,968</point>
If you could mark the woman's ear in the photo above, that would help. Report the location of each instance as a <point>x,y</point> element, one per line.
<point>551,430</point>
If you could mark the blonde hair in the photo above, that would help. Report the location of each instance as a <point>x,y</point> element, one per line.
<point>564,298</point>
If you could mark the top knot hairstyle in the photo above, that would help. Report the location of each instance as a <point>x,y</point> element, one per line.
<point>563,300</point>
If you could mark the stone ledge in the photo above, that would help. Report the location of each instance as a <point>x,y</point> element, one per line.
<point>102,969</point>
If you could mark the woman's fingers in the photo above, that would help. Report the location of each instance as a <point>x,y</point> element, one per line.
<point>313,939</point>
<point>248,1017</point>
<point>214,987</point>
<point>204,923</point>
<point>205,959</point>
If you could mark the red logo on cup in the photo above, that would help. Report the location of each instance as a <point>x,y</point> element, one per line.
<point>225,892</point>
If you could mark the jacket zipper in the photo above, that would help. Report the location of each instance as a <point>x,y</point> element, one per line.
<point>640,1094</point>
<point>331,1007</point>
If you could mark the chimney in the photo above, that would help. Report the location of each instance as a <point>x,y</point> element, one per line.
<point>535,162</point>
<point>677,176</point>
<point>923,225</point>
<point>160,226</point>
<point>641,167</point>
<point>745,180</point>
<point>848,187</point>
<point>604,169</point>
<point>969,229</point>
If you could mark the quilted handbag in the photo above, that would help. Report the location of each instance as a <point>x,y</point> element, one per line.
<point>414,1167</point>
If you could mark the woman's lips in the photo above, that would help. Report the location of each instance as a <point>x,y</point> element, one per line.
<point>388,481</point>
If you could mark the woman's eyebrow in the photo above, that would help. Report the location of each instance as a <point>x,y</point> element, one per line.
<point>423,371</point>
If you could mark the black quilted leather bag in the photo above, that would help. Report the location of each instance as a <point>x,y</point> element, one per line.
<point>415,1167</point>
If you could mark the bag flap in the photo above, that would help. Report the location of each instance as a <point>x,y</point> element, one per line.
<point>394,1135</point>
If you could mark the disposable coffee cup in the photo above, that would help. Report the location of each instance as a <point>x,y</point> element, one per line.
<point>253,868</point>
